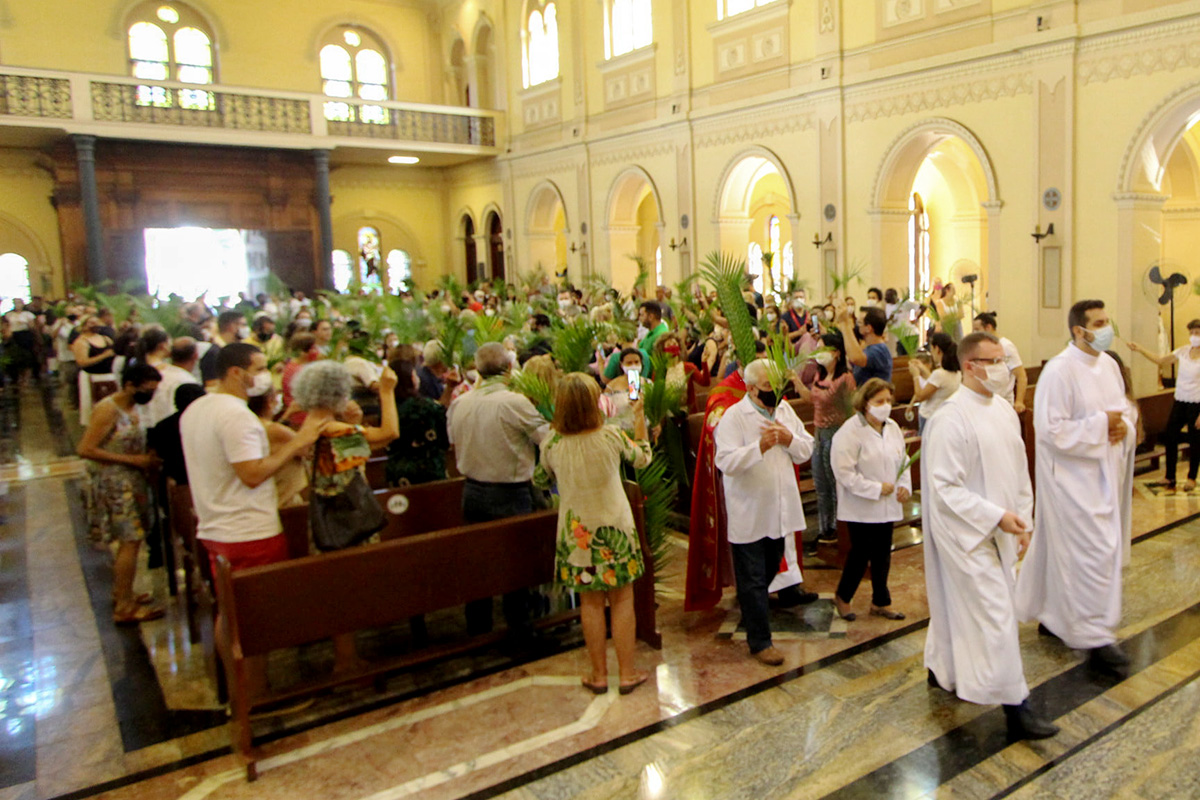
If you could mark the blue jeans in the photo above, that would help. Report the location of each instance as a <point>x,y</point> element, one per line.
<point>484,502</point>
<point>826,486</point>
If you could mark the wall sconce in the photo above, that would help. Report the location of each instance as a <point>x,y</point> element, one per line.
<point>580,248</point>
<point>674,246</point>
<point>1037,232</point>
<point>818,241</point>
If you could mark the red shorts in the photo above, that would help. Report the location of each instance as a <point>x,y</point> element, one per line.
<point>243,555</point>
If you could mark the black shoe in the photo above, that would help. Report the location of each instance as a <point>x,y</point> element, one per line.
<point>932,680</point>
<point>1023,723</point>
<point>827,538</point>
<point>810,549</point>
<point>792,597</point>
<point>1044,631</point>
<point>1110,660</point>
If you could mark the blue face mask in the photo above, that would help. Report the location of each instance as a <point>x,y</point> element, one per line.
<point>1102,338</point>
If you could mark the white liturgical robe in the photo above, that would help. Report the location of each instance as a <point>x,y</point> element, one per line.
<point>762,498</point>
<point>1071,580</point>
<point>973,470</point>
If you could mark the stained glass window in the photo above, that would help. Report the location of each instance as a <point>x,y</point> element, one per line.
<point>342,271</point>
<point>171,43</point>
<point>370,258</point>
<point>788,268</point>
<point>353,64</point>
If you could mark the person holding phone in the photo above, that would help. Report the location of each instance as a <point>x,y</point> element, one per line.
<point>625,389</point>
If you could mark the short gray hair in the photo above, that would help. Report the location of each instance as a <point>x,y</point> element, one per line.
<point>322,384</point>
<point>434,353</point>
<point>492,359</point>
<point>756,371</point>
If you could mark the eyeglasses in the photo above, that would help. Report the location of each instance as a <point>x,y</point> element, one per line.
<point>988,361</point>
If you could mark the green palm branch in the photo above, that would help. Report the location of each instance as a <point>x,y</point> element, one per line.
<point>573,345</point>
<point>536,389</point>
<point>727,273</point>
<point>658,496</point>
<point>849,273</point>
<point>662,399</point>
<point>489,329</point>
<point>643,274</point>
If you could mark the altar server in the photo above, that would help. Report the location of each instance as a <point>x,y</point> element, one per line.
<point>758,440</point>
<point>978,509</point>
<point>1071,582</point>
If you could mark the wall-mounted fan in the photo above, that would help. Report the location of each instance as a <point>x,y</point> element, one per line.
<point>1161,284</point>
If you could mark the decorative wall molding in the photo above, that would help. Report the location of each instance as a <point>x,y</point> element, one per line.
<point>632,154</point>
<point>534,167</point>
<point>1160,131</point>
<point>1147,60</point>
<point>827,18</point>
<point>752,127</point>
<point>892,99</point>
<point>919,135</point>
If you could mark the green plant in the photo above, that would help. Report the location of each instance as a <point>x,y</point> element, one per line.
<point>907,465</point>
<point>662,399</point>
<point>658,498</point>
<point>727,274</point>
<point>573,344</point>
<point>841,279</point>
<point>489,329</point>
<point>536,389</point>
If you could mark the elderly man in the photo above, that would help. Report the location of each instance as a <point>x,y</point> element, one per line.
<point>1071,582</point>
<point>437,379</point>
<point>977,516</point>
<point>495,432</point>
<point>758,440</point>
<point>174,374</point>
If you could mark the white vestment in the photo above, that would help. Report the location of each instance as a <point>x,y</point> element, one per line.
<point>762,499</point>
<point>1071,580</point>
<point>973,470</point>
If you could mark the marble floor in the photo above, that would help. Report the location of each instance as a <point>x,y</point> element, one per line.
<point>90,710</point>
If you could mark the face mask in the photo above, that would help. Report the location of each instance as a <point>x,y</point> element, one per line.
<point>489,312</point>
<point>303,323</point>
<point>995,378</point>
<point>798,304</point>
<point>277,406</point>
<point>480,296</point>
<point>564,304</point>
<point>1195,340</point>
<point>1102,338</point>
<point>770,317</point>
<point>824,359</point>
<point>871,303</point>
<point>768,399</point>
<point>243,332</point>
<point>881,413</point>
<point>445,308</point>
<point>261,385</point>
<point>141,398</point>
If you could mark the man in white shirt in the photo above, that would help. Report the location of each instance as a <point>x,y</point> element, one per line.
<point>495,432</point>
<point>1071,581</point>
<point>758,440</point>
<point>977,525</point>
<point>174,374</point>
<point>230,464</point>
<point>1018,379</point>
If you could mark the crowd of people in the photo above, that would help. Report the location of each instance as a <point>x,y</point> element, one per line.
<point>267,402</point>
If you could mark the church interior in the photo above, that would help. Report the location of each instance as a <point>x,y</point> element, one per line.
<point>1033,152</point>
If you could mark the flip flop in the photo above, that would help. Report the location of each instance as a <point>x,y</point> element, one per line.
<point>594,688</point>
<point>143,614</point>
<point>627,688</point>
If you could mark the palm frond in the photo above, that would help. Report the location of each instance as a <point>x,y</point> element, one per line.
<point>662,399</point>
<point>489,329</point>
<point>849,273</point>
<point>536,389</point>
<point>573,344</point>
<point>727,273</point>
<point>658,496</point>
<point>643,274</point>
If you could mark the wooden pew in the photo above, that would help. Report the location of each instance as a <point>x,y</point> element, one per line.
<point>318,597</point>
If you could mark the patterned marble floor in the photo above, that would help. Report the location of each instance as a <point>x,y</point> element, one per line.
<point>89,710</point>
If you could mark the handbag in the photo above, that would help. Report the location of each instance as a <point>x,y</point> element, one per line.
<point>345,519</point>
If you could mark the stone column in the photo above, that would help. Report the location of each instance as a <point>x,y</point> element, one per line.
<point>89,198</point>
<point>324,203</point>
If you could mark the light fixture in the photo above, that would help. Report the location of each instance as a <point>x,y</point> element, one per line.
<point>818,241</point>
<point>674,246</point>
<point>580,248</point>
<point>1037,232</point>
<point>403,160</point>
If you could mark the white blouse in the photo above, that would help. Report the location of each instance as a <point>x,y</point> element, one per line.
<point>862,462</point>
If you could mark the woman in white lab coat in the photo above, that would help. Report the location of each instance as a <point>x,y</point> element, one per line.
<point>867,455</point>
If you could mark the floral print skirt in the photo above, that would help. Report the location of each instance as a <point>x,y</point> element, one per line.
<point>606,558</point>
<point>118,504</point>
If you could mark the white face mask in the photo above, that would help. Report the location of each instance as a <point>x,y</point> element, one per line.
<point>770,317</point>
<point>244,332</point>
<point>881,413</point>
<point>1195,340</point>
<point>303,323</point>
<point>564,304</point>
<point>995,378</point>
<point>824,359</point>
<point>261,385</point>
<point>277,406</point>
<point>798,304</point>
<point>1102,338</point>
<point>445,308</point>
<point>489,312</point>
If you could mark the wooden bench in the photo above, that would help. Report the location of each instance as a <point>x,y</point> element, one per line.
<point>313,598</point>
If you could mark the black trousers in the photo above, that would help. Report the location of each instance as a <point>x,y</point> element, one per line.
<point>754,567</point>
<point>870,543</point>
<point>1183,415</point>
<point>484,502</point>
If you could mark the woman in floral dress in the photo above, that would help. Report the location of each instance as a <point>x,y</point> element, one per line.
<point>598,552</point>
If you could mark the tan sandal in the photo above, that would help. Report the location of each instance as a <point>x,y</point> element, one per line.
<point>143,614</point>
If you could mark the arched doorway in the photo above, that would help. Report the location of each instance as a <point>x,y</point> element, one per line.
<point>547,229</point>
<point>468,238</point>
<point>755,216</point>
<point>14,279</point>
<point>933,197</point>
<point>635,227</point>
<point>495,230</point>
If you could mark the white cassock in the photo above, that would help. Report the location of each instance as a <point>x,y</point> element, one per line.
<point>973,469</point>
<point>1071,580</point>
<point>1128,453</point>
<point>762,499</point>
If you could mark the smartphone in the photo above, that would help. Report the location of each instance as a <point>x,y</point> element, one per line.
<point>635,383</point>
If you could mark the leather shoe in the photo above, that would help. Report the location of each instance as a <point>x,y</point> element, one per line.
<point>1109,659</point>
<point>792,597</point>
<point>932,680</point>
<point>771,656</point>
<point>1023,723</point>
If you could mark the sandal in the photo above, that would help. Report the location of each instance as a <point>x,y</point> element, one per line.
<point>886,613</point>
<point>595,688</point>
<point>1188,485</point>
<point>143,614</point>
<point>847,615</point>
<point>143,599</point>
<point>625,687</point>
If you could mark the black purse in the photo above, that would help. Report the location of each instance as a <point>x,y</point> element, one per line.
<point>347,518</point>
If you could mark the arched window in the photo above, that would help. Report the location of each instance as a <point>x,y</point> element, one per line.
<point>14,279</point>
<point>628,26</point>
<point>773,249</point>
<point>754,264</point>
<point>370,258</point>
<point>728,8</point>
<point>919,282</point>
<point>171,42</point>
<point>399,270</point>
<point>539,51</point>
<point>343,271</point>
<point>354,64</point>
<point>658,279</point>
<point>787,268</point>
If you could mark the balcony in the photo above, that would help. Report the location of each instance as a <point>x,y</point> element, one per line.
<point>127,108</point>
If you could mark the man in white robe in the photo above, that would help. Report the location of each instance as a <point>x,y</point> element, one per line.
<point>757,443</point>
<point>1071,581</point>
<point>977,511</point>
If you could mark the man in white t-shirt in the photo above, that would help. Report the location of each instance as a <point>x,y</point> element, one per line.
<point>1018,380</point>
<point>174,374</point>
<point>230,464</point>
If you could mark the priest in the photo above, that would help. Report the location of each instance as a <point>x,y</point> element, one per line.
<point>1071,582</point>
<point>978,508</point>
